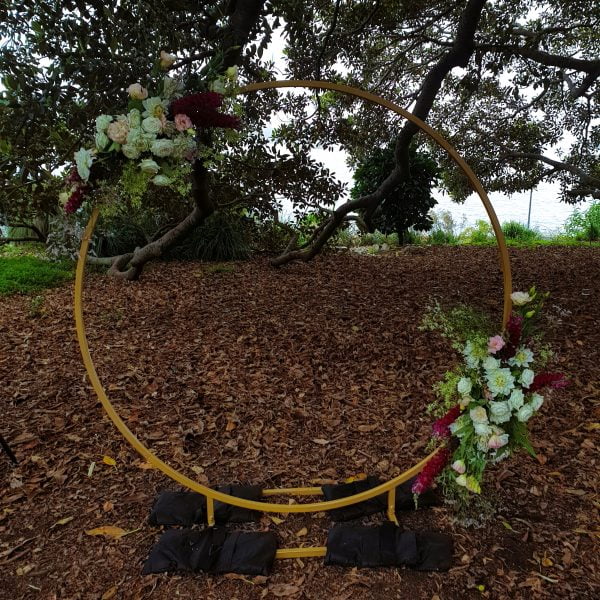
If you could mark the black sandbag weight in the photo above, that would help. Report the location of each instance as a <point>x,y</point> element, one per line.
<point>212,550</point>
<point>386,545</point>
<point>189,508</point>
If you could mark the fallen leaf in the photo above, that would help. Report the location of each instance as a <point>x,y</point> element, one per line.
<point>91,468</point>
<point>546,562</point>
<point>63,521</point>
<point>109,593</point>
<point>108,506</point>
<point>276,520</point>
<point>284,589</point>
<point>302,532</point>
<point>107,460</point>
<point>357,477</point>
<point>321,441</point>
<point>145,465</point>
<point>110,531</point>
<point>24,570</point>
<point>231,425</point>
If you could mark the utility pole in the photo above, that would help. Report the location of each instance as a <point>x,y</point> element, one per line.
<point>529,212</point>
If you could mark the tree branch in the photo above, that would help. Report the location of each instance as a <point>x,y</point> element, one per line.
<point>557,164</point>
<point>457,56</point>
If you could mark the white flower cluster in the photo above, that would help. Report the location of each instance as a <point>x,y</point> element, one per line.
<point>145,134</point>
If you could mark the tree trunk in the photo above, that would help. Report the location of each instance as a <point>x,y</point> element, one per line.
<point>130,266</point>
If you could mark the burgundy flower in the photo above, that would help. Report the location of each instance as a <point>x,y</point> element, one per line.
<point>75,199</point>
<point>514,329</point>
<point>73,177</point>
<point>202,107</point>
<point>554,380</point>
<point>430,471</point>
<point>440,427</point>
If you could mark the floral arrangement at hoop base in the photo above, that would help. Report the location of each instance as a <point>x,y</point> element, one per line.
<point>492,397</point>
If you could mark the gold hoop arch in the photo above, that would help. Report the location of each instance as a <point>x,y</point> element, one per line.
<point>211,495</point>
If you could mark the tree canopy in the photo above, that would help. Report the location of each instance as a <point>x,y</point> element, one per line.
<point>513,84</point>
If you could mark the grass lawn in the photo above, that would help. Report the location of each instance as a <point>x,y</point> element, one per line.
<point>26,274</point>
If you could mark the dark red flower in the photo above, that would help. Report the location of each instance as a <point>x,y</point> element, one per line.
<point>73,177</point>
<point>201,108</point>
<point>75,200</point>
<point>430,471</point>
<point>440,427</point>
<point>514,329</point>
<point>554,380</point>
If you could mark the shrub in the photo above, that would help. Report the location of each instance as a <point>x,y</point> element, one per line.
<point>516,231</point>
<point>585,225</point>
<point>482,233</point>
<point>221,237</point>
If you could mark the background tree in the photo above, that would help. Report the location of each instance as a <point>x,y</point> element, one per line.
<point>512,83</point>
<point>408,204</point>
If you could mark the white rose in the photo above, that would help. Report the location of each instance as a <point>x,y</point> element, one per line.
<point>536,402</point>
<point>499,412</point>
<point>520,298</point>
<point>152,125</point>
<point>527,377</point>
<point>84,159</point>
<point>137,92</point>
<point>162,148</point>
<point>101,140</point>
<point>166,60</point>
<point>130,151</point>
<point>161,180</point>
<point>149,166</point>
<point>525,413</point>
<point>102,122</point>
<point>464,386</point>
<point>516,399</point>
<point>478,415</point>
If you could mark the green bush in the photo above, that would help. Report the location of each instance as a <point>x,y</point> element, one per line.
<point>585,225</point>
<point>221,237</point>
<point>516,231</point>
<point>439,237</point>
<point>482,233</point>
<point>25,274</point>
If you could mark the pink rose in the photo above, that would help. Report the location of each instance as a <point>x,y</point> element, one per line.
<point>495,343</point>
<point>182,122</point>
<point>117,131</point>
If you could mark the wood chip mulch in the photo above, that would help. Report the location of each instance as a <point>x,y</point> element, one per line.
<point>292,377</point>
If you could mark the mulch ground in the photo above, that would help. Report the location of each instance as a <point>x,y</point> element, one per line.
<point>297,376</point>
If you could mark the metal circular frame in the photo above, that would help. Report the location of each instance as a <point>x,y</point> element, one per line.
<point>211,494</point>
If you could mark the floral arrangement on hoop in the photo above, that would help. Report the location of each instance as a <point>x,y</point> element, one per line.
<point>153,142</point>
<point>488,401</point>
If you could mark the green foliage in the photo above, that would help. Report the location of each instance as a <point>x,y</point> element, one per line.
<point>406,206</point>
<point>481,234</point>
<point>585,226</point>
<point>134,182</point>
<point>26,274</point>
<point>221,237</point>
<point>446,392</point>
<point>269,236</point>
<point>457,324</point>
<point>513,230</point>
